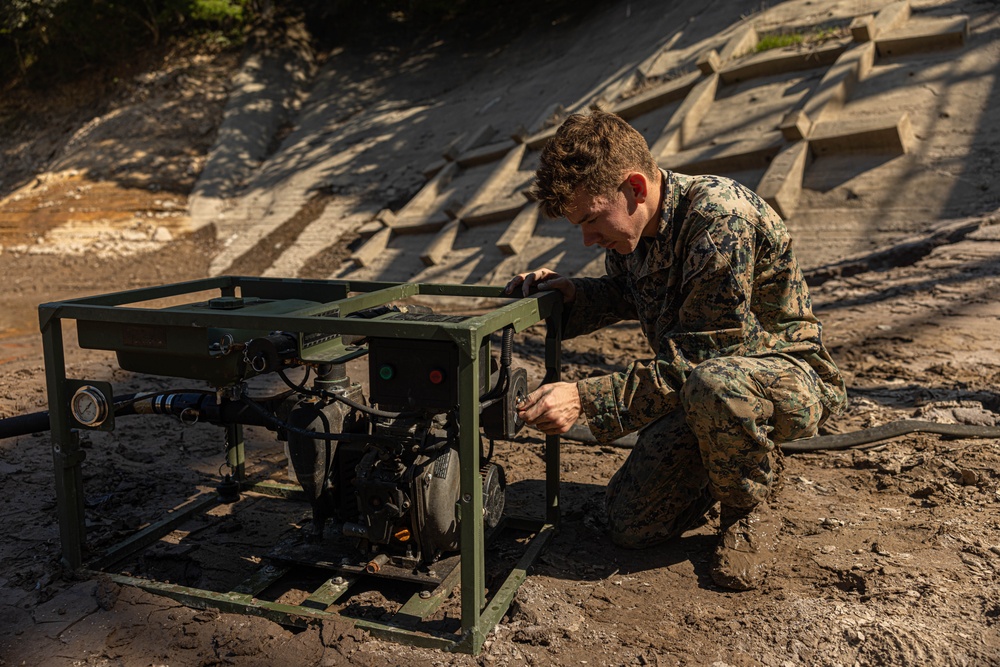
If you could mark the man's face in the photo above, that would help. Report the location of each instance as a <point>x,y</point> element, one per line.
<point>614,223</point>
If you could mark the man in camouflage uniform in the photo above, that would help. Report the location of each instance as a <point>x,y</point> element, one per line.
<point>707,268</point>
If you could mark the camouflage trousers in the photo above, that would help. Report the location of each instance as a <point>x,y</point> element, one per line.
<point>719,445</point>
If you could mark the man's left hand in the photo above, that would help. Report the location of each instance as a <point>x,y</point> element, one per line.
<point>552,408</point>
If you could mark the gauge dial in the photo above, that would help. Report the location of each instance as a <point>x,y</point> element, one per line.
<point>89,406</point>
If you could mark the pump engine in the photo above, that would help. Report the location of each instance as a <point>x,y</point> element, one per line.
<point>381,472</point>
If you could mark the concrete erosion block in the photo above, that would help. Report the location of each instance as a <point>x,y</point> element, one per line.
<point>741,43</point>
<point>433,168</point>
<point>452,207</point>
<point>519,231</point>
<point>480,137</point>
<point>454,148</point>
<point>538,140</point>
<point>654,62</point>
<point>612,92</point>
<point>426,198</point>
<point>491,211</point>
<point>709,62</point>
<point>734,156</point>
<point>795,125</point>
<point>838,82</point>
<point>550,117</point>
<point>484,154</point>
<point>783,61</point>
<point>925,35</point>
<point>542,128</point>
<point>386,217</point>
<point>440,245</point>
<point>781,184</point>
<point>466,142</point>
<point>655,97</point>
<point>546,121</point>
<point>483,207</point>
<point>881,134</point>
<point>889,17</point>
<point>372,249</point>
<point>421,223</point>
<point>370,228</point>
<point>682,125</point>
<point>861,28</point>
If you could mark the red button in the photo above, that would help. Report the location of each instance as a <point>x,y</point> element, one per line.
<point>436,376</point>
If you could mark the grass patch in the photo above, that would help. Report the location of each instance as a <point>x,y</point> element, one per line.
<point>768,42</point>
<point>811,36</point>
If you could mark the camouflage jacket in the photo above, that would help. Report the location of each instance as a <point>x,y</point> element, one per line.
<point>719,279</point>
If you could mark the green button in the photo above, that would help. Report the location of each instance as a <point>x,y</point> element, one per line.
<point>386,372</point>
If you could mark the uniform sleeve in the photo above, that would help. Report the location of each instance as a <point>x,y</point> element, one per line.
<point>599,302</point>
<point>714,320</point>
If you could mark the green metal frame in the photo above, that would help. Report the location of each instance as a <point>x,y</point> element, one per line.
<point>478,616</point>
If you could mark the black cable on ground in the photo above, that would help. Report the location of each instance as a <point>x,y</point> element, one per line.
<point>868,436</point>
<point>839,441</point>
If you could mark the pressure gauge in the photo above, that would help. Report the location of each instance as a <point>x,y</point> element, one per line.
<point>89,406</point>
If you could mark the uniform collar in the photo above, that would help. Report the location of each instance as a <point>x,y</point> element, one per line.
<point>653,253</point>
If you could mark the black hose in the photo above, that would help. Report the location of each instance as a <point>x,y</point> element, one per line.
<point>856,439</point>
<point>839,441</point>
<point>582,434</point>
<point>503,377</point>
<point>39,422</point>
<point>507,346</point>
<point>339,437</point>
<point>125,405</point>
<point>36,422</point>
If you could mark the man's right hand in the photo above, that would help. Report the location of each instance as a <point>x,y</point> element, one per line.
<point>552,408</point>
<point>542,280</point>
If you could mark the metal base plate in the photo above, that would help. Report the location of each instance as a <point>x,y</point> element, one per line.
<point>339,555</point>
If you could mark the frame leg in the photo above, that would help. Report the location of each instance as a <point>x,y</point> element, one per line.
<point>236,452</point>
<point>66,453</point>
<point>471,504</point>
<point>553,373</point>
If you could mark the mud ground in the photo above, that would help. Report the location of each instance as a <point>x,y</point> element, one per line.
<point>890,556</point>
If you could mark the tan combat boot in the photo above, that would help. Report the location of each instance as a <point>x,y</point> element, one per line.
<point>748,542</point>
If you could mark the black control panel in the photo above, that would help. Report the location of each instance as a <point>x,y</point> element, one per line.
<point>418,374</point>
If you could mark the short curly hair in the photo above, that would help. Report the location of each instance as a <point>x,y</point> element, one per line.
<point>594,151</point>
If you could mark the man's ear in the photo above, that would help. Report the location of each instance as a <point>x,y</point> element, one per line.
<point>639,186</point>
